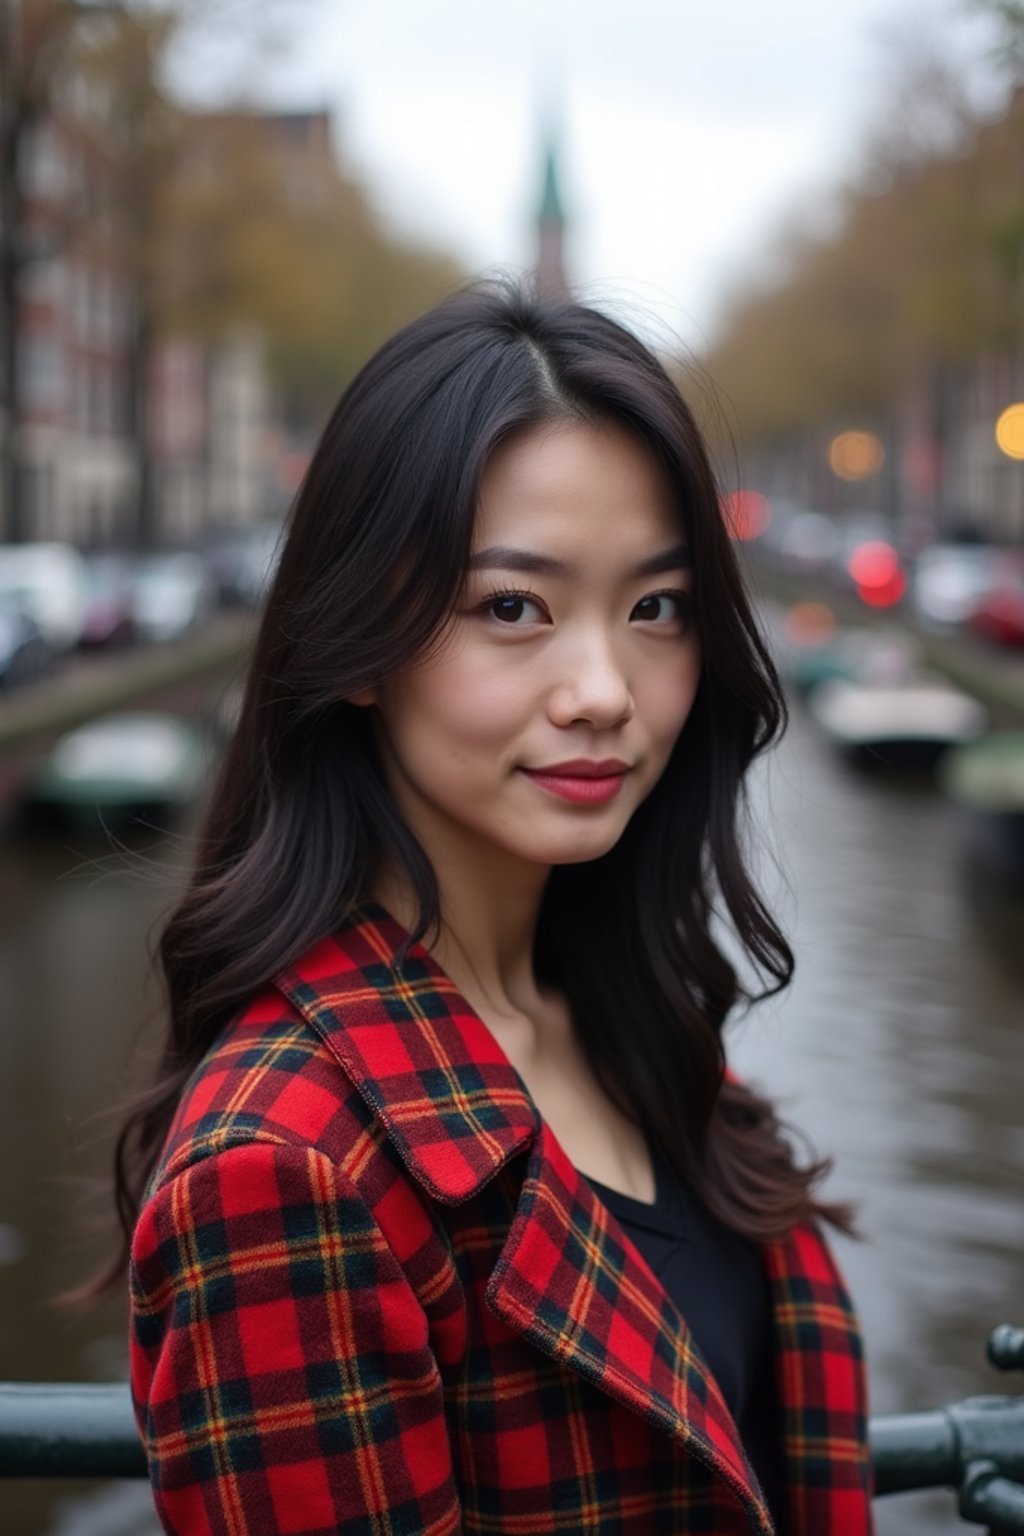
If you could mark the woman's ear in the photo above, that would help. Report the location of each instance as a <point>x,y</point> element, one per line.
<point>363,699</point>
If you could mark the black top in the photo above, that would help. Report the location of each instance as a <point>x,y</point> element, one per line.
<point>719,1285</point>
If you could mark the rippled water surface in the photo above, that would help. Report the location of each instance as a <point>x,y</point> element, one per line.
<point>899,1049</point>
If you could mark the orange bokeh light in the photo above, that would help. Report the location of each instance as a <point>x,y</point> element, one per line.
<point>855,455</point>
<point>810,623</point>
<point>1010,431</point>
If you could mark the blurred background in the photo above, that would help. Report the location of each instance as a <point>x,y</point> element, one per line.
<point>211,211</point>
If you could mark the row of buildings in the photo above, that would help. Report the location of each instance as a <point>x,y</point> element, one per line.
<point>216,450</point>
<point>124,438</point>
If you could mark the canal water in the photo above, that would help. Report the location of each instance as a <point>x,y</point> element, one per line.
<point>899,1050</point>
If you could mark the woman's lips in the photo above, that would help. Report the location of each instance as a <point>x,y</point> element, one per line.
<point>583,788</point>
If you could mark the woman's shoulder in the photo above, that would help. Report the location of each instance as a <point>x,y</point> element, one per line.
<point>273,1144</point>
<point>266,1078</point>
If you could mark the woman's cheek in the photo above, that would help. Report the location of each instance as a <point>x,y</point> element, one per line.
<point>669,698</point>
<point>487,704</point>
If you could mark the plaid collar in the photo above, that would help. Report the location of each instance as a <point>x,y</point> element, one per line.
<point>457,1111</point>
<point>429,1068</point>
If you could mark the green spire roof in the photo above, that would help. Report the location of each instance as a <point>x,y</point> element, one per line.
<point>551,210</point>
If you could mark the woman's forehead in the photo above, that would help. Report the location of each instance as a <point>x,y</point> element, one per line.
<point>558,489</point>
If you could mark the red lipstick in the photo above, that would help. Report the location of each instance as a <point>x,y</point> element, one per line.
<point>581,780</point>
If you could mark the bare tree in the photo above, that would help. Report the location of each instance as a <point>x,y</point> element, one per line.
<point>122,48</point>
<point>35,36</point>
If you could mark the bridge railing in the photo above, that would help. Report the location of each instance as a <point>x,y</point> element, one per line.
<point>975,1447</point>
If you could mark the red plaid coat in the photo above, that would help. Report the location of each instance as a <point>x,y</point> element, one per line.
<point>372,1297</point>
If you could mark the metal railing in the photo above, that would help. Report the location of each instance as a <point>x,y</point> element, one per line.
<point>975,1447</point>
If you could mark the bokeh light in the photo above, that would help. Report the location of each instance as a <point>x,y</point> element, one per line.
<point>810,623</point>
<point>747,514</point>
<point>855,455</point>
<point>875,569</point>
<point>1010,431</point>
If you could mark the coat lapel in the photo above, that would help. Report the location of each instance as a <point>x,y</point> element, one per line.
<point>571,1283</point>
<point>430,1070</point>
<point>567,1279</point>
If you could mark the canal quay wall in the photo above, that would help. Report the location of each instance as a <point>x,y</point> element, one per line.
<point>189,677</point>
<point>995,677</point>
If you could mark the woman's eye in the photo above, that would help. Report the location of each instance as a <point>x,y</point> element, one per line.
<point>662,608</point>
<point>514,608</point>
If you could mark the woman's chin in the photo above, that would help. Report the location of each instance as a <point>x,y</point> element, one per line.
<point>578,849</point>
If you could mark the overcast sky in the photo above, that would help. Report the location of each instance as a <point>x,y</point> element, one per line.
<point>688,132</point>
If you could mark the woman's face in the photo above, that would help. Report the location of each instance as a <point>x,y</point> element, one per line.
<point>551,709</point>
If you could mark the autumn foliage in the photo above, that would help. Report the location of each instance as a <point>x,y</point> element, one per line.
<point>892,281</point>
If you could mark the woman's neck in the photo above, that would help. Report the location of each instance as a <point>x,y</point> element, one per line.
<point>486,940</point>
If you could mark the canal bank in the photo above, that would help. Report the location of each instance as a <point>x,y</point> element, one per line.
<point>90,685</point>
<point>187,677</point>
<point>994,677</point>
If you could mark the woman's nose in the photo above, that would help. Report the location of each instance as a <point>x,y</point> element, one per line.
<point>592,687</point>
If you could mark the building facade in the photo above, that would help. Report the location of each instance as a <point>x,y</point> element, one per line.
<point>94,410</point>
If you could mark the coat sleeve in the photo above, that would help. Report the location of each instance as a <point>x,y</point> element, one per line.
<point>281,1365</point>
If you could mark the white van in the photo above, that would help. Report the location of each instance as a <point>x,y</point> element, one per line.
<point>50,582</point>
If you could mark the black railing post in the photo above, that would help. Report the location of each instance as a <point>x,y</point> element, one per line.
<point>65,1429</point>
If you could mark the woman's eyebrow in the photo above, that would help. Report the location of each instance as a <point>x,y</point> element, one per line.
<point>502,557</point>
<point>679,556</point>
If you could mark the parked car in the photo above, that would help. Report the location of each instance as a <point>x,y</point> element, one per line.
<point>242,562</point>
<point>948,580</point>
<point>24,653</point>
<point>50,582</point>
<point>259,562</point>
<point>998,613</point>
<point>805,542</point>
<point>110,602</point>
<point>172,595</point>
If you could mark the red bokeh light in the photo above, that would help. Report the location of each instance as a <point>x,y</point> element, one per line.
<point>747,514</point>
<point>886,595</point>
<point>875,569</point>
<point>873,564</point>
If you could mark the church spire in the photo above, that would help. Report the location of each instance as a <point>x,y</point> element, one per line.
<point>551,222</point>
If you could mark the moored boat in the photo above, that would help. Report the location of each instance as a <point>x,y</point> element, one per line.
<point>986,782</point>
<point>120,767</point>
<point>904,725</point>
<point>810,658</point>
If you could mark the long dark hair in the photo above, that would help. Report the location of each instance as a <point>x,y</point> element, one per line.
<point>372,565</point>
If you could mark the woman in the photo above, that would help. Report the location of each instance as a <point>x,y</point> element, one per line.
<point>448,1218</point>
